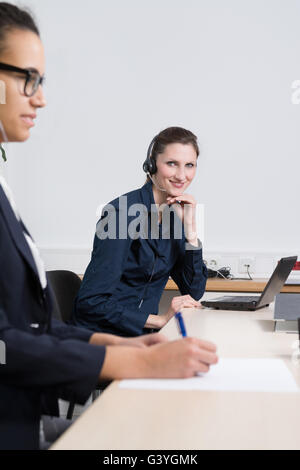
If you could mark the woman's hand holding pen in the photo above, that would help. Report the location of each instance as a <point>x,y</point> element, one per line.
<point>155,356</point>
<point>185,207</point>
<point>182,358</point>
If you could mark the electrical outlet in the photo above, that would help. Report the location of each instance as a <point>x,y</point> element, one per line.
<point>243,262</point>
<point>212,263</point>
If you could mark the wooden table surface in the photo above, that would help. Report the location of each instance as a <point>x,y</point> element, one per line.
<point>231,285</point>
<point>147,419</point>
<point>228,285</point>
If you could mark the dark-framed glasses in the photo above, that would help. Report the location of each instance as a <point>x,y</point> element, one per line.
<point>32,78</point>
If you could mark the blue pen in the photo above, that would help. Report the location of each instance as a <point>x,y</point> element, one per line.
<point>180,324</point>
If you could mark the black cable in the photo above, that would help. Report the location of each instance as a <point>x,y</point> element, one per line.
<point>243,278</point>
<point>225,274</point>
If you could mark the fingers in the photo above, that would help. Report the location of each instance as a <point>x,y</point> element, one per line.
<point>182,305</point>
<point>188,303</point>
<point>182,358</point>
<point>201,368</point>
<point>203,354</point>
<point>208,345</point>
<point>184,198</point>
<point>183,301</point>
<point>207,358</point>
<point>187,298</point>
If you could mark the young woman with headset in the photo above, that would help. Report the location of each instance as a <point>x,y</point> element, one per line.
<point>124,281</point>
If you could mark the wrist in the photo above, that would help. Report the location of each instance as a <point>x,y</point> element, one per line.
<point>115,340</point>
<point>124,362</point>
<point>155,321</point>
<point>162,320</point>
<point>190,234</point>
<point>148,363</point>
<point>167,316</point>
<point>103,339</point>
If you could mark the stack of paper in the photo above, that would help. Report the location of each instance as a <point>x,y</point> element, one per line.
<point>248,375</point>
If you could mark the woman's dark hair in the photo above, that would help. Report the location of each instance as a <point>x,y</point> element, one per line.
<point>172,135</point>
<point>12,17</point>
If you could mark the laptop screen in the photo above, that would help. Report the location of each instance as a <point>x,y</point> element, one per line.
<point>277,280</point>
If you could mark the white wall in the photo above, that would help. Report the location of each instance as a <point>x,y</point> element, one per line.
<point>120,71</point>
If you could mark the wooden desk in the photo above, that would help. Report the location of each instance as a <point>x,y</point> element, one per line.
<point>227,285</point>
<point>143,419</point>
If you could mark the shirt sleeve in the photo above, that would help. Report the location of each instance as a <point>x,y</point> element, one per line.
<point>68,366</point>
<point>65,331</point>
<point>97,302</point>
<point>189,271</point>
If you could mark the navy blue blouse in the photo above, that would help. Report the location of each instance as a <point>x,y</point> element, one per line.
<point>126,276</point>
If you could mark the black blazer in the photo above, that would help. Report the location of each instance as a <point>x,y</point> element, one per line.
<point>45,359</point>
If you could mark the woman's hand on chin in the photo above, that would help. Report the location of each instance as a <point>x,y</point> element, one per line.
<point>185,207</point>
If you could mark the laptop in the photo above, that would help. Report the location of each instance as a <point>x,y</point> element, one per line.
<point>254,302</point>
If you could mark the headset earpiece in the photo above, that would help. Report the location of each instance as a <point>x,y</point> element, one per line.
<point>145,166</point>
<point>149,165</point>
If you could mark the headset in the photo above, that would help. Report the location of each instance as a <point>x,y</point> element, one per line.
<point>149,165</point>
<point>5,139</point>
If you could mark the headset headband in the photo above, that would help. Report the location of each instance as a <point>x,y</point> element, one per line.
<point>150,148</point>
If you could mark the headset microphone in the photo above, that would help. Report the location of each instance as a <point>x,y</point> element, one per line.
<point>4,137</point>
<point>155,184</point>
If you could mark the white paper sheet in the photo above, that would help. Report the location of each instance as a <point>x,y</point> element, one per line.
<point>248,375</point>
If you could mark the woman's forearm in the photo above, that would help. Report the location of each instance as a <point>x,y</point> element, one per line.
<point>124,362</point>
<point>154,321</point>
<point>182,358</point>
<point>191,234</point>
<point>104,339</point>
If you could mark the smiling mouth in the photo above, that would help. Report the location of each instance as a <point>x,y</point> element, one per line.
<point>177,185</point>
<point>28,120</point>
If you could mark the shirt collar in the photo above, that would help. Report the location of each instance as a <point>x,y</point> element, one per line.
<point>147,195</point>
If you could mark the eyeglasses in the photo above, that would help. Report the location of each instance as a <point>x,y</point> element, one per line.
<point>33,78</point>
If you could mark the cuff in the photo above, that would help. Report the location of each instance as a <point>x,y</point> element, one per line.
<point>189,247</point>
<point>132,321</point>
<point>91,359</point>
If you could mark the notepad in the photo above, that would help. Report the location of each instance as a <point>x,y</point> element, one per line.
<point>243,375</point>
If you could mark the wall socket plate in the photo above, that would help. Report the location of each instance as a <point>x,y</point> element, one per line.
<point>245,261</point>
<point>212,263</point>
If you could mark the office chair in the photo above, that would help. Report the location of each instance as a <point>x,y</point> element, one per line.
<point>65,286</point>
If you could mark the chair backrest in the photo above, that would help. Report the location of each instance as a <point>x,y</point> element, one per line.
<point>65,286</point>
